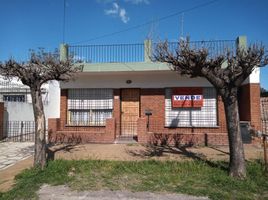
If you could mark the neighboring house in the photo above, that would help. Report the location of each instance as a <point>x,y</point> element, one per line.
<point>121,94</point>
<point>18,110</point>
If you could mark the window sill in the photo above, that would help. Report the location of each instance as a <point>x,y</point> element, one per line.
<point>172,127</point>
<point>69,125</point>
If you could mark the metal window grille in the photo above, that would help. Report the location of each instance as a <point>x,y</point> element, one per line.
<point>205,116</point>
<point>89,107</point>
<point>14,98</point>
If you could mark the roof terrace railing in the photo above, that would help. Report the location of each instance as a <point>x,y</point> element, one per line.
<point>214,47</point>
<point>121,53</point>
<point>108,53</point>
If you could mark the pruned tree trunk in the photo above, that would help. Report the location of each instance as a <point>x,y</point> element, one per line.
<point>41,68</point>
<point>237,166</point>
<point>39,118</point>
<point>226,73</point>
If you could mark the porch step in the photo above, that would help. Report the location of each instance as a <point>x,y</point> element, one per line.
<point>125,140</point>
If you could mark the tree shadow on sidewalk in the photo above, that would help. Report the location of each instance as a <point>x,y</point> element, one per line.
<point>219,150</point>
<point>151,151</point>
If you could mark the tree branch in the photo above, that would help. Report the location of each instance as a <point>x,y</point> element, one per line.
<point>41,68</point>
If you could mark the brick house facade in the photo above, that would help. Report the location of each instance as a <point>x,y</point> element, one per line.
<point>153,128</point>
<point>108,102</point>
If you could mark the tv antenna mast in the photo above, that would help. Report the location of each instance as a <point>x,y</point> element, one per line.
<point>152,32</point>
<point>64,22</point>
<point>181,26</point>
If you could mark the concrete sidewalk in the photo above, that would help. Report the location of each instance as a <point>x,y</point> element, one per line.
<point>64,193</point>
<point>7,175</point>
<point>13,152</point>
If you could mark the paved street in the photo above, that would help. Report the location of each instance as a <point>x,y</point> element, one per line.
<point>12,152</point>
<point>65,193</point>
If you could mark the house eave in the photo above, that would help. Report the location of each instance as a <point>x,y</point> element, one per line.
<point>125,67</point>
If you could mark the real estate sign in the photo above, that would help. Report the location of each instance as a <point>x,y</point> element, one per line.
<point>187,97</point>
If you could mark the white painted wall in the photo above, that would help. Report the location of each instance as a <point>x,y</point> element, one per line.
<point>19,111</point>
<point>254,77</point>
<point>23,111</point>
<point>159,79</point>
<point>52,110</point>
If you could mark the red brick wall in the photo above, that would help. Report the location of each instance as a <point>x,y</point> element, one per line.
<point>178,138</point>
<point>249,104</point>
<point>63,108</point>
<point>154,100</point>
<point>244,102</point>
<point>79,135</point>
<point>117,110</point>
<point>59,131</point>
<point>143,137</point>
<point>52,125</point>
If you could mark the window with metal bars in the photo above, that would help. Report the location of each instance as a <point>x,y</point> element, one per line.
<point>89,107</point>
<point>14,98</point>
<point>206,116</point>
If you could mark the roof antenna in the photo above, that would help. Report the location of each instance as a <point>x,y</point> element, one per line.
<point>182,23</point>
<point>63,27</point>
<point>152,32</point>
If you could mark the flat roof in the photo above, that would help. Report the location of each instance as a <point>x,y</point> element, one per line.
<point>125,67</point>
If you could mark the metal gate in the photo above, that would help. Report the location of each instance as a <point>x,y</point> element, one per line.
<point>18,131</point>
<point>264,114</point>
<point>130,112</point>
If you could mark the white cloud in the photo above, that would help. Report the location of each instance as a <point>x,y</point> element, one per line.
<point>138,1</point>
<point>123,15</point>
<point>112,11</point>
<point>116,10</point>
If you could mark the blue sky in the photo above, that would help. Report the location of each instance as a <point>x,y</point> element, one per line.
<point>29,24</point>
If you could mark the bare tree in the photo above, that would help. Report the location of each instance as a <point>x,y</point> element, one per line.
<point>225,78</point>
<point>41,68</point>
<point>264,92</point>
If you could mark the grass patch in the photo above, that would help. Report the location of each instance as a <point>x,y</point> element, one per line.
<point>189,177</point>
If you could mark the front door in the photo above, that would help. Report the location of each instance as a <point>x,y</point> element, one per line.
<point>130,112</point>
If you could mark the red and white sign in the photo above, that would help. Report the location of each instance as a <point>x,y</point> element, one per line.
<point>187,97</point>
